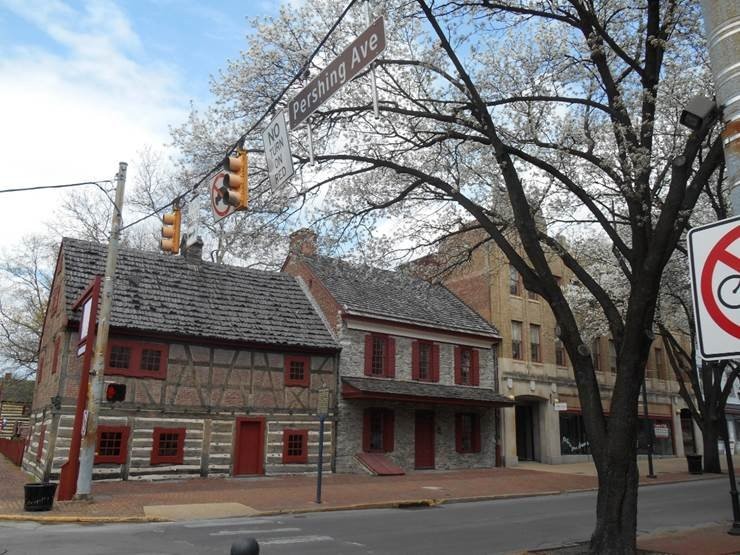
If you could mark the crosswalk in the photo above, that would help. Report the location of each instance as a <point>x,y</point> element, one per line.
<point>275,532</point>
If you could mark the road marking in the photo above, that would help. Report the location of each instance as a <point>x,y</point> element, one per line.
<point>253,531</point>
<point>296,539</point>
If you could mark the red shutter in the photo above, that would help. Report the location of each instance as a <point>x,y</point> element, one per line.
<point>476,433</point>
<point>458,433</point>
<point>368,355</point>
<point>390,364</point>
<point>474,367</point>
<point>366,420</point>
<point>458,365</point>
<point>388,430</point>
<point>435,362</point>
<point>414,360</point>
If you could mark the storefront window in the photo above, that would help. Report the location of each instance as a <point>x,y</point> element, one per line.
<point>573,439</point>
<point>663,437</point>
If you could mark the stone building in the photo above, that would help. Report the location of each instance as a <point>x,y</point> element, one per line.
<point>417,370</point>
<point>222,365</point>
<point>546,424</point>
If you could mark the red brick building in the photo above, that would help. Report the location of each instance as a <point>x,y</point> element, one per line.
<point>222,365</point>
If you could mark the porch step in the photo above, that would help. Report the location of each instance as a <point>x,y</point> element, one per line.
<point>379,464</point>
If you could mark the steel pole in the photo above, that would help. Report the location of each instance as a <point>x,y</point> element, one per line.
<point>321,458</point>
<point>97,373</point>
<point>722,28</point>
<point>735,529</point>
<point>649,424</point>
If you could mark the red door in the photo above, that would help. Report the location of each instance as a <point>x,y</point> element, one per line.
<point>424,440</point>
<point>248,450</point>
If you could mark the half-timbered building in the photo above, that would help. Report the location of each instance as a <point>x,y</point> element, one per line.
<point>223,367</point>
<point>418,383</point>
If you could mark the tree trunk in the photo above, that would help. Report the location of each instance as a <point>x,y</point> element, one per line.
<point>711,436</point>
<point>616,505</point>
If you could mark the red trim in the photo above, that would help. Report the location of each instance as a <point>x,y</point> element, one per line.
<point>435,362</point>
<point>390,353</point>
<point>293,459</point>
<point>123,451</point>
<point>40,448</point>
<point>418,327</point>
<point>178,457</point>
<point>349,392</point>
<point>389,430</point>
<point>369,354</point>
<point>366,423</point>
<point>55,360</point>
<point>137,348</point>
<point>237,441</point>
<point>474,367</point>
<point>303,382</point>
<point>458,365</point>
<point>475,440</point>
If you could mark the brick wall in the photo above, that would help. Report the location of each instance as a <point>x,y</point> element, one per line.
<point>328,306</point>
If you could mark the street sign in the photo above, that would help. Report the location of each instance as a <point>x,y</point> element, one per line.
<point>714,257</point>
<point>342,69</point>
<point>277,152</point>
<point>560,407</point>
<point>323,404</point>
<point>219,208</point>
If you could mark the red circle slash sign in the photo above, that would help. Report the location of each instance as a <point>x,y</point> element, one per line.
<point>719,253</point>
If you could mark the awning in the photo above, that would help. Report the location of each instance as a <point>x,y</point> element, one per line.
<point>421,392</point>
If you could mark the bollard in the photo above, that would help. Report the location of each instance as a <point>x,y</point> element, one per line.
<point>248,546</point>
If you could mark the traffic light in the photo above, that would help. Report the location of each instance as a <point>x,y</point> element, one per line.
<point>115,392</point>
<point>171,231</point>
<point>235,190</point>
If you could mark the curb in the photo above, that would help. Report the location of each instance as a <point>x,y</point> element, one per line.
<point>72,519</point>
<point>397,504</point>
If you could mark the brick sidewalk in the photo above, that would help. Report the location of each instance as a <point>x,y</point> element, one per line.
<point>297,493</point>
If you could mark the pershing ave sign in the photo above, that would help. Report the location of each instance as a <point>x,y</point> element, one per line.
<point>356,57</point>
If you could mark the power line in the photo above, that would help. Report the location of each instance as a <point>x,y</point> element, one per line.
<point>82,183</point>
<point>244,135</point>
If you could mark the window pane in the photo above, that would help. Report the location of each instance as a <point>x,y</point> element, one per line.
<point>516,340</point>
<point>612,357</point>
<point>151,359</point>
<point>514,281</point>
<point>110,444</point>
<point>596,354</point>
<point>573,440</point>
<point>295,445</point>
<point>120,357</point>
<point>425,359</point>
<point>466,356</point>
<point>559,351</point>
<point>467,432</point>
<point>168,442</point>
<point>534,341</point>
<point>297,369</point>
<point>378,364</point>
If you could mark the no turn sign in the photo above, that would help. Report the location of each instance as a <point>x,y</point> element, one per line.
<point>219,208</point>
<point>714,256</point>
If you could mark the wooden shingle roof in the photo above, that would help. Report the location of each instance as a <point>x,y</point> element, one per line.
<point>179,296</point>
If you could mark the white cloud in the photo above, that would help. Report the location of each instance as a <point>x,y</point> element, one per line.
<point>72,113</point>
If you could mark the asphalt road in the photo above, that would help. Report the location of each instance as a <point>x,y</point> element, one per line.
<point>487,527</point>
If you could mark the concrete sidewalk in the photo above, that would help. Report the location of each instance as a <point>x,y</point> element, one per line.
<point>193,498</point>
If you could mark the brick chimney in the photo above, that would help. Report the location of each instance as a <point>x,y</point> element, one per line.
<point>193,252</point>
<point>303,242</point>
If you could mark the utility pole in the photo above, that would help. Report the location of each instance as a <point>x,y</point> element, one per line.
<point>97,373</point>
<point>722,28</point>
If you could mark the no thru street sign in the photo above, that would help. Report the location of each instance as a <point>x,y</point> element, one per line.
<point>714,255</point>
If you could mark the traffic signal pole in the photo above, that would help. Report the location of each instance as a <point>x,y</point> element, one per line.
<point>95,386</point>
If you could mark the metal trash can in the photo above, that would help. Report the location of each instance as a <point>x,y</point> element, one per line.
<point>39,497</point>
<point>694,464</point>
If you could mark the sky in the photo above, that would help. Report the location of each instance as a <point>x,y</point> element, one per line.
<point>86,84</point>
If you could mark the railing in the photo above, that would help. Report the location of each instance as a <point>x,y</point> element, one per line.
<point>13,449</point>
